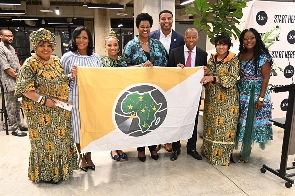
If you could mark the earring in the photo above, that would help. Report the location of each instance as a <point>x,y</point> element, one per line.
<point>118,50</point>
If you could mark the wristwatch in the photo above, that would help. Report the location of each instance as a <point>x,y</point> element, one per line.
<point>261,99</point>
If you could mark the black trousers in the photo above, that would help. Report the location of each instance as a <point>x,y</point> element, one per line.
<point>192,142</point>
<point>151,148</point>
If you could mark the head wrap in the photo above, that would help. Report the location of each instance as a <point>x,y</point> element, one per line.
<point>43,35</point>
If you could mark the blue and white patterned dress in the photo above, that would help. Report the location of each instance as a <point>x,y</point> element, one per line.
<point>134,54</point>
<point>68,60</point>
<point>250,84</point>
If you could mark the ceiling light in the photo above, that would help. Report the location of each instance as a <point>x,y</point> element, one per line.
<point>12,12</point>
<point>184,2</point>
<point>46,10</point>
<point>57,23</point>
<point>121,13</point>
<point>24,19</point>
<point>120,25</point>
<point>106,6</point>
<point>10,2</point>
<point>57,10</point>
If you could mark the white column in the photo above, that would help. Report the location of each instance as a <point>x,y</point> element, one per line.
<point>102,27</point>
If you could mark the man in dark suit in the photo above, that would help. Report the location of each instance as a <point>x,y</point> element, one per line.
<point>170,39</point>
<point>188,55</point>
<point>166,35</point>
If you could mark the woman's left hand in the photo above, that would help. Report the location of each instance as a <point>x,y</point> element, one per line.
<point>74,71</point>
<point>148,64</point>
<point>206,79</point>
<point>259,105</point>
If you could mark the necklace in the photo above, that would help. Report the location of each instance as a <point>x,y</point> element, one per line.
<point>78,52</point>
<point>144,43</point>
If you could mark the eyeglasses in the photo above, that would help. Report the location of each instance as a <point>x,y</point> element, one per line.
<point>8,36</point>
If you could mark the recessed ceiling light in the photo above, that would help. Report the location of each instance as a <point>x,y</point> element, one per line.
<point>46,10</point>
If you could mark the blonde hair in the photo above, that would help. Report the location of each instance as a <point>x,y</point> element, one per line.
<point>112,34</point>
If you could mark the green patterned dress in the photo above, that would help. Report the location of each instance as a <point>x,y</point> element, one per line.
<point>109,62</point>
<point>221,111</point>
<point>53,156</point>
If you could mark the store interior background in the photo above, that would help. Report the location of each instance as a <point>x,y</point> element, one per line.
<point>74,13</point>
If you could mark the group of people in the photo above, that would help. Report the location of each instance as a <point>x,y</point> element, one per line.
<point>237,102</point>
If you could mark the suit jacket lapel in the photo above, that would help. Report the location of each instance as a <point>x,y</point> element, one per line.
<point>181,55</point>
<point>157,34</point>
<point>172,40</point>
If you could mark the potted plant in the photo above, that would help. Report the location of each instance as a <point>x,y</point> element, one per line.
<point>217,18</point>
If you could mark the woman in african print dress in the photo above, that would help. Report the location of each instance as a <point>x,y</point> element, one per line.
<point>255,104</point>
<point>41,79</point>
<point>221,103</point>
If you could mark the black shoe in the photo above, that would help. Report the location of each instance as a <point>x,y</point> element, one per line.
<point>174,155</point>
<point>92,167</point>
<point>18,133</point>
<point>23,128</point>
<point>142,158</point>
<point>155,157</point>
<point>232,159</point>
<point>194,154</point>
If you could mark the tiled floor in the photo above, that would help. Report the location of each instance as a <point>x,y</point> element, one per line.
<point>185,176</point>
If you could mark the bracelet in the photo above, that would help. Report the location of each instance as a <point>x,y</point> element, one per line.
<point>38,101</point>
<point>70,76</point>
<point>43,100</point>
<point>141,65</point>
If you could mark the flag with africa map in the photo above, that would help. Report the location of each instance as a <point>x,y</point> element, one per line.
<point>135,106</point>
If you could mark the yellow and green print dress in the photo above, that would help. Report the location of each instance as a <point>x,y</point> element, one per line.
<point>221,110</point>
<point>53,156</point>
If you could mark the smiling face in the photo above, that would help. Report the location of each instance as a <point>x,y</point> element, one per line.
<point>249,40</point>
<point>44,50</point>
<point>144,29</point>
<point>166,21</point>
<point>191,38</point>
<point>112,47</point>
<point>82,41</point>
<point>221,48</point>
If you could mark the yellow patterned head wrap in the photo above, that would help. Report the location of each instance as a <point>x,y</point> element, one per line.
<point>42,35</point>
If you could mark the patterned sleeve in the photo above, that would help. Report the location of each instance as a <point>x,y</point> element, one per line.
<point>129,51</point>
<point>3,60</point>
<point>105,61</point>
<point>263,59</point>
<point>123,63</point>
<point>229,78</point>
<point>66,62</point>
<point>26,80</point>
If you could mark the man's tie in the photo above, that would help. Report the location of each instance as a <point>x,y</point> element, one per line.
<point>189,59</point>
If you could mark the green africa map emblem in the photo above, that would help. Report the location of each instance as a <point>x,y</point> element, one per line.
<point>140,110</point>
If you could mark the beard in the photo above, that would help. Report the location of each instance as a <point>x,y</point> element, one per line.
<point>7,42</point>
